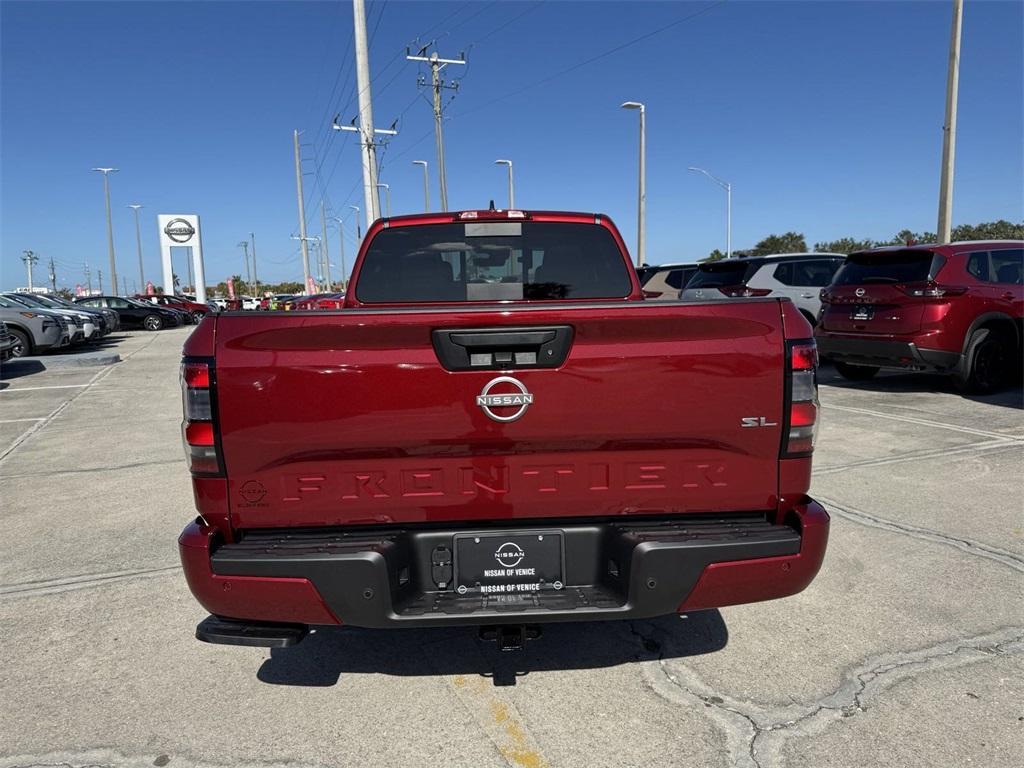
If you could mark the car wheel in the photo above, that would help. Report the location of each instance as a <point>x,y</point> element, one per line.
<point>22,344</point>
<point>153,323</point>
<point>197,317</point>
<point>986,368</point>
<point>856,372</point>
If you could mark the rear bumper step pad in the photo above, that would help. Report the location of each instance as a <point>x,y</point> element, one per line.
<point>385,578</point>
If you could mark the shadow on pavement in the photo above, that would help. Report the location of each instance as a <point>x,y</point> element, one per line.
<point>15,368</point>
<point>327,655</point>
<point>1012,397</point>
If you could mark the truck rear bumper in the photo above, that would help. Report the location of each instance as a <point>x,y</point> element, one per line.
<point>388,578</point>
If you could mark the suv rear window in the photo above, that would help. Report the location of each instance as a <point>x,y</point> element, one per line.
<point>721,273</point>
<point>492,261</point>
<point>888,267</point>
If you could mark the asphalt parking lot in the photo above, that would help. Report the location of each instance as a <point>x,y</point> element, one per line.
<point>907,650</point>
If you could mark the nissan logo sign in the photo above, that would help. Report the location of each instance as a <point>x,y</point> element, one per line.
<point>179,230</point>
<point>520,400</point>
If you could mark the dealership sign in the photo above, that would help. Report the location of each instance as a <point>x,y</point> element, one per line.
<point>179,232</point>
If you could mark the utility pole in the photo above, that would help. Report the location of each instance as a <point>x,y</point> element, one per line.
<point>110,225</point>
<point>302,216</point>
<point>99,277</point>
<point>324,251</point>
<point>88,278</point>
<point>370,144</point>
<point>138,242</point>
<point>53,276</point>
<point>124,284</point>
<point>255,277</point>
<point>437,84</point>
<point>426,184</point>
<point>945,227</point>
<point>365,112</point>
<point>30,260</point>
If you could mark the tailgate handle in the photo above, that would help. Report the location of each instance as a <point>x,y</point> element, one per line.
<point>481,349</point>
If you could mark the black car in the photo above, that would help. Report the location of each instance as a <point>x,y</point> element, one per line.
<point>135,313</point>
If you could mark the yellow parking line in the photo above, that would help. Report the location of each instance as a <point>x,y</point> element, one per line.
<point>500,721</point>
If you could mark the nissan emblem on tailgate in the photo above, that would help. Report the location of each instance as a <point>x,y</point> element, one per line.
<point>520,400</point>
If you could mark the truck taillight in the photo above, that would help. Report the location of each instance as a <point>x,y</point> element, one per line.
<point>198,429</point>
<point>802,421</point>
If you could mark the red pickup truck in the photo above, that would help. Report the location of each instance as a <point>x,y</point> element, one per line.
<point>496,430</point>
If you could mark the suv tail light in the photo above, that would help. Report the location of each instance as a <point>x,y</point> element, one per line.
<point>198,429</point>
<point>930,290</point>
<point>742,291</point>
<point>802,390</point>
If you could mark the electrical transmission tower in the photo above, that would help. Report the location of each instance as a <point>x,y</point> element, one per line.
<point>437,84</point>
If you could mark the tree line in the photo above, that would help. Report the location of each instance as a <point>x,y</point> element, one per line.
<point>794,242</point>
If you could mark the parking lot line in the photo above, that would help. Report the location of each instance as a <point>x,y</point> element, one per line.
<point>988,445</point>
<point>923,422</point>
<point>55,386</point>
<point>18,421</point>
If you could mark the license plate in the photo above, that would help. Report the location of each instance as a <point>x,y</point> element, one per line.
<point>862,313</point>
<point>508,564</point>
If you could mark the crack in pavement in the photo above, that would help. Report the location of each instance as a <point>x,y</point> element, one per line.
<point>755,735</point>
<point>87,470</point>
<point>991,445</point>
<point>924,422</point>
<point>970,546</point>
<point>106,758</point>
<point>84,581</point>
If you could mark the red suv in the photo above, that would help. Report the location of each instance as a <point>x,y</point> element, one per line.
<point>955,309</point>
<point>196,310</point>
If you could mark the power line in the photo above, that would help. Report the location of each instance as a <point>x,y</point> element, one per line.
<point>592,59</point>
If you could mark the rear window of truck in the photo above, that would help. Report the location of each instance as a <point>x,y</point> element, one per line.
<point>888,267</point>
<point>721,273</point>
<point>492,261</point>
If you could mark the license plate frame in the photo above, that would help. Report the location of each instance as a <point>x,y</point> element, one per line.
<point>862,312</point>
<point>509,563</point>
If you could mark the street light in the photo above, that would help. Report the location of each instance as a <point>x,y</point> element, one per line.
<point>387,198</point>
<point>359,235</point>
<point>426,185</point>
<point>341,244</point>
<point>110,225</point>
<point>244,245</point>
<point>642,201</point>
<point>511,188</point>
<point>138,243</point>
<point>728,207</point>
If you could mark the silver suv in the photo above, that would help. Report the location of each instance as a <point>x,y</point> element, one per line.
<point>34,330</point>
<point>796,276</point>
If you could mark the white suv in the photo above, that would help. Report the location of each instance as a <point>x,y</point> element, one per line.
<point>796,276</point>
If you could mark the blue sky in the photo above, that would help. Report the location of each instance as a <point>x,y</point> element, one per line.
<point>825,116</point>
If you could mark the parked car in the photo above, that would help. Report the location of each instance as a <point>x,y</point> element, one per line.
<point>275,301</point>
<point>796,276</point>
<point>136,313</point>
<point>955,309</point>
<point>7,342</point>
<point>84,325</point>
<point>107,317</point>
<point>320,301</point>
<point>250,302</point>
<point>194,309</point>
<point>34,330</point>
<point>467,466</point>
<point>664,281</point>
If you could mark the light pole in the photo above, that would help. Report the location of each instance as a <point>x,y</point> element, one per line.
<point>138,244</point>
<point>359,234</point>
<point>110,225</point>
<point>341,245</point>
<point>728,207</point>
<point>426,184</point>
<point>945,227</point>
<point>255,277</point>
<point>642,201</point>
<point>387,198</point>
<point>511,187</point>
<point>244,245</point>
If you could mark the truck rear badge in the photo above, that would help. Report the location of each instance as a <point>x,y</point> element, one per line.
<point>757,421</point>
<point>520,400</point>
<point>509,555</point>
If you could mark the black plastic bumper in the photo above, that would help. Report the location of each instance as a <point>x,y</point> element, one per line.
<point>611,571</point>
<point>885,353</point>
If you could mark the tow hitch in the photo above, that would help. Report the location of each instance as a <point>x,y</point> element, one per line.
<point>510,637</point>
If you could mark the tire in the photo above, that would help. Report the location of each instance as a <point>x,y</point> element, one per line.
<point>22,344</point>
<point>152,322</point>
<point>856,372</point>
<point>197,317</point>
<point>987,366</point>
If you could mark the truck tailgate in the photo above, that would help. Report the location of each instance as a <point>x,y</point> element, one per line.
<point>350,418</point>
